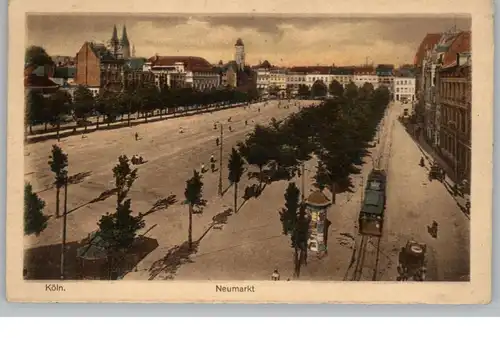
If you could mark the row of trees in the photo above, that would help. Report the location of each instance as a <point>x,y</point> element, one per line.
<point>337,132</point>
<point>54,108</point>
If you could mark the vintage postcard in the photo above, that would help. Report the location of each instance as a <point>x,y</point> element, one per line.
<point>250,152</point>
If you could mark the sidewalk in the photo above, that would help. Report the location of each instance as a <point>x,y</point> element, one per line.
<point>450,180</point>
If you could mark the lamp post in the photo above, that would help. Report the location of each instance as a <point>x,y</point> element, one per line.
<point>220,159</point>
<point>63,246</point>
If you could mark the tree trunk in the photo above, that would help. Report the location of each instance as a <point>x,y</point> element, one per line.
<point>128,118</point>
<point>97,125</point>
<point>296,261</point>
<point>190,229</point>
<point>334,192</point>
<point>235,197</point>
<point>260,177</point>
<point>58,190</point>
<point>45,127</point>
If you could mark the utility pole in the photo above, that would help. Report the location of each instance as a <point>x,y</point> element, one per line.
<point>63,246</point>
<point>220,159</point>
<point>303,169</point>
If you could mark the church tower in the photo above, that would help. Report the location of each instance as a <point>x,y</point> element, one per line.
<point>114,44</point>
<point>125,44</point>
<point>239,54</point>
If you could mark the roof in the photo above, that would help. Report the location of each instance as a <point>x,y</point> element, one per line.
<point>373,202</point>
<point>193,63</point>
<point>383,66</point>
<point>318,199</point>
<point>65,72</point>
<point>364,70</point>
<point>429,41</point>
<point>136,63</point>
<point>342,71</point>
<point>461,44</point>
<point>312,69</point>
<point>239,42</point>
<point>101,51</point>
<point>264,64</point>
<point>34,81</point>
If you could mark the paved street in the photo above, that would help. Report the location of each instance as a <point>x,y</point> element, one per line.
<point>250,244</point>
<point>171,157</point>
<point>412,204</point>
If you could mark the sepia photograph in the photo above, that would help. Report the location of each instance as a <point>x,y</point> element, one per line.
<point>247,147</point>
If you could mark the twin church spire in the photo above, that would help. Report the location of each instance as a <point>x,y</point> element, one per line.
<point>120,47</point>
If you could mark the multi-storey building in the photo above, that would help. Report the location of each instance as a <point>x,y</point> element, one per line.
<point>427,44</point>
<point>454,105</point>
<point>184,71</point>
<point>278,80</point>
<point>403,88</point>
<point>432,62</point>
<point>293,80</point>
<point>365,74</point>
<point>98,68</point>
<point>263,73</point>
<point>343,75</point>
<point>443,91</point>
<point>385,74</point>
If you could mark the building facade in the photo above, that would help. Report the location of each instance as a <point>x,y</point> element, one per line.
<point>342,75</point>
<point>403,89</point>
<point>454,85</point>
<point>184,71</point>
<point>365,74</point>
<point>385,75</point>
<point>97,68</point>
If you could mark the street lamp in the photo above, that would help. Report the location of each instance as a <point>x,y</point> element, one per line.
<point>302,172</point>
<point>220,158</point>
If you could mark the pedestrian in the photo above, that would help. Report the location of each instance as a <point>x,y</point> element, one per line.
<point>203,168</point>
<point>217,141</point>
<point>136,136</point>
<point>275,275</point>
<point>246,123</point>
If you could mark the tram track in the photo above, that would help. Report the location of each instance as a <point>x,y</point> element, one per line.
<point>366,256</point>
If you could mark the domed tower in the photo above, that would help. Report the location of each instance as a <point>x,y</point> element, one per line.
<point>239,54</point>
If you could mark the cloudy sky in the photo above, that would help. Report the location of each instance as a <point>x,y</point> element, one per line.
<point>282,40</point>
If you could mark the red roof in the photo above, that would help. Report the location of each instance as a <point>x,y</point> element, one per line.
<point>34,81</point>
<point>427,43</point>
<point>461,44</point>
<point>193,63</point>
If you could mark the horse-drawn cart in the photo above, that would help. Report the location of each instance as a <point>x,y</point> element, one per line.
<point>412,262</point>
<point>436,172</point>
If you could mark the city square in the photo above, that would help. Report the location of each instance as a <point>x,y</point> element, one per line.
<point>181,121</point>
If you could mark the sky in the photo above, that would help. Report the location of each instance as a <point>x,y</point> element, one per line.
<point>282,40</point>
